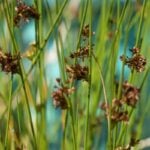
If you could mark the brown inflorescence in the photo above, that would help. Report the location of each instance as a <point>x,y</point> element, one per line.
<point>24,13</point>
<point>86,31</point>
<point>136,62</point>
<point>117,111</point>
<point>60,95</point>
<point>130,94</point>
<point>10,63</point>
<point>115,114</point>
<point>77,72</point>
<point>81,53</point>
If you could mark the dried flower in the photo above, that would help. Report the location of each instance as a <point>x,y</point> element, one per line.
<point>24,13</point>
<point>60,95</point>
<point>135,50</point>
<point>115,114</point>
<point>136,62</point>
<point>77,72</point>
<point>9,63</point>
<point>130,94</point>
<point>117,102</point>
<point>82,52</point>
<point>86,31</point>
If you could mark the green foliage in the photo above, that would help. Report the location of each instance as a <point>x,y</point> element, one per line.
<point>104,100</point>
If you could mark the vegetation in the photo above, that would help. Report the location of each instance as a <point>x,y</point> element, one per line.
<point>100,98</point>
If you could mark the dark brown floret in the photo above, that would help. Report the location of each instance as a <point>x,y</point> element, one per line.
<point>24,13</point>
<point>10,63</point>
<point>82,53</point>
<point>60,95</point>
<point>135,50</point>
<point>117,111</point>
<point>136,62</point>
<point>77,72</point>
<point>130,94</point>
<point>117,116</point>
<point>86,31</point>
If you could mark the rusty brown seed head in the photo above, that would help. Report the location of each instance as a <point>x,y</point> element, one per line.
<point>24,13</point>
<point>10,63</point>
<point>136,62</point>
<point>60,95</point>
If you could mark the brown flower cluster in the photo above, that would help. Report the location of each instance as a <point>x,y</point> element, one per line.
<point>81,53</point>
<point>86,31</point>
<point>24,13</point>
<point>61,94</point>
<point>77,72</point>
<point>136,62</point>
<point>130,96</point>
<point>116,111</point>
<point>9,63</point>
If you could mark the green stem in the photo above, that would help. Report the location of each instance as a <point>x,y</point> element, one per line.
<point>106,101</point>
<point>73,125</point>
<point>55,22</point>
<point>90,73</point>
<point>28,107</point>
<point>9,111</point>
<point>140,24</point>
<point>82,24</point>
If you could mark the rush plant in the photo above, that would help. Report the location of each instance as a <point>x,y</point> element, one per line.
<point>74,74</point>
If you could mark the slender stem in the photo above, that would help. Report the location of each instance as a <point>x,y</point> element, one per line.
<point>72,125</point>
<point>28,108</point>
<point>55,22</point>
<point>82,23</point>
<point>106,101</point>
<point>65,128</point>
<point>9,111</point>
<point>90,73</point>
<point>18,116</point>
<point>140,24</point>
<point>21,68</point>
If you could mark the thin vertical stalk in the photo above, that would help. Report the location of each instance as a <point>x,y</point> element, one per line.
<point>140,27</point>
<point>82,23</point>
<point>89,81</point>
<point>106,101</point>
<point>9,111</point>
<point>28,108</point>
<point>140,24</point>
<point>18,116</point>
<point>21,67</point>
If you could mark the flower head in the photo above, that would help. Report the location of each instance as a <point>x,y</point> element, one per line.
<point>77,72</point>
<point>130,94</point>
<point>24,13</point>
<point>136,62</point>
<point>10,63</point>
<point>60,95</point>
